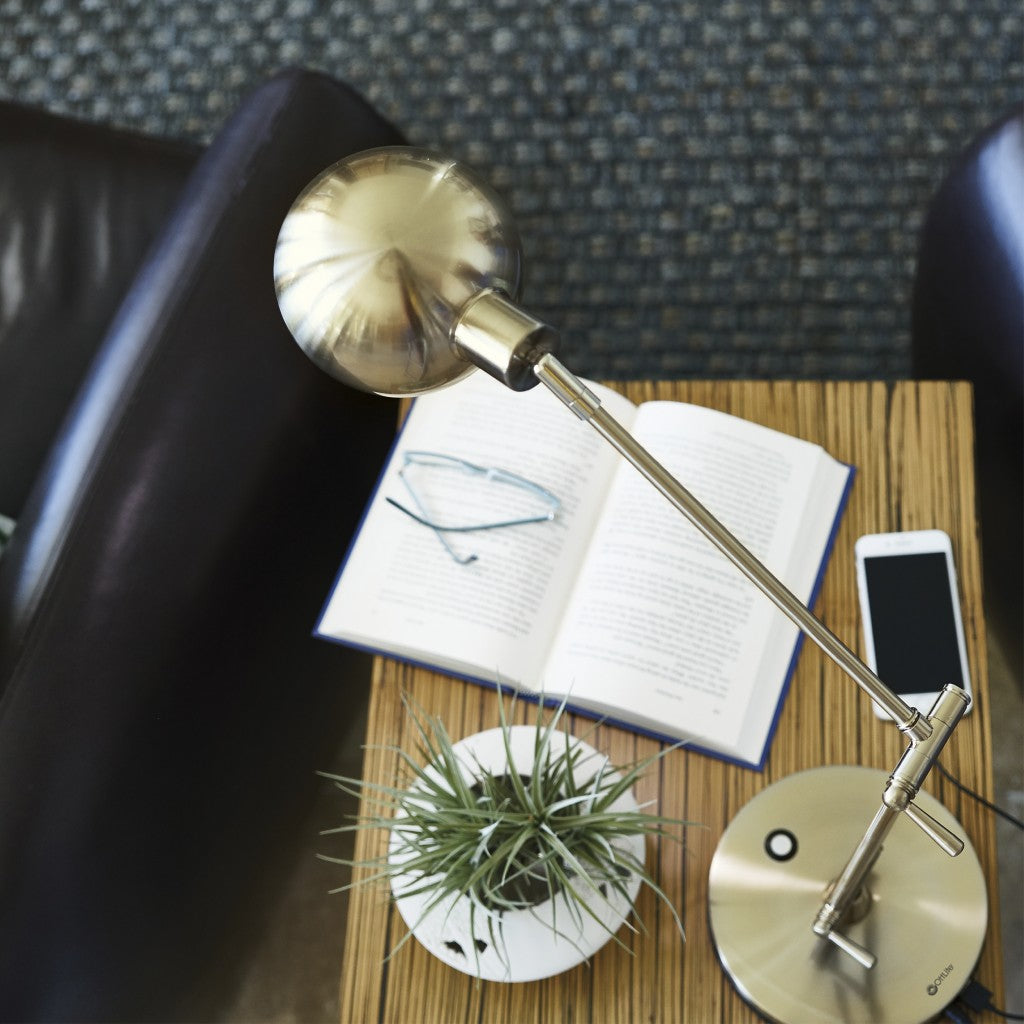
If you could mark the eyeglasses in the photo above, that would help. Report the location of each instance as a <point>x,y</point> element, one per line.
<point>451,495</point>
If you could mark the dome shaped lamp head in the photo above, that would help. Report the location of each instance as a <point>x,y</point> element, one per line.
<point>396,271</point>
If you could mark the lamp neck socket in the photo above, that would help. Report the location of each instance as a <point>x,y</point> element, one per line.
<point>496,335</point>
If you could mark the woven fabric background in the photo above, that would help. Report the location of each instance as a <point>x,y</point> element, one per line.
<point>719,188</point>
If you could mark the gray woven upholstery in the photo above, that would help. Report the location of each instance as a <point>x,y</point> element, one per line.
<point>728,188</point>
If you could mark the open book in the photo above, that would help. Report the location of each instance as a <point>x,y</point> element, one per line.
<point>618,602</point>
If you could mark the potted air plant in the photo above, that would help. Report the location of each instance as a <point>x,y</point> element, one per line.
<point>515,853</point>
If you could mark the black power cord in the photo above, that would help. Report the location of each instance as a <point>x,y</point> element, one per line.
<point>994,808</point>
<point>975,996</point>
<point>978,998</point>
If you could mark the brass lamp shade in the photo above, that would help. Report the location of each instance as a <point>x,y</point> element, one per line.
<point>377,258</point>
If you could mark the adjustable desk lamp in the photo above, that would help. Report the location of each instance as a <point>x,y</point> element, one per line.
<point>395,271</point>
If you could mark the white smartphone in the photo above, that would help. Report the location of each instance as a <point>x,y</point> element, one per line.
<point>913,631</point>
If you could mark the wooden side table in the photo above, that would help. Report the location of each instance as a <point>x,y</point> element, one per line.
<point>912,444</point>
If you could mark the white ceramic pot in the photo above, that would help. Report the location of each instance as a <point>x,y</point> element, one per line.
<point>529,947</point>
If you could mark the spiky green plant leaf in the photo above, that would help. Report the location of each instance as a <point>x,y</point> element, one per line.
<point>507,842</point>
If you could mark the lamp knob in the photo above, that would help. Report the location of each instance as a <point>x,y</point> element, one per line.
<point>379,258</point>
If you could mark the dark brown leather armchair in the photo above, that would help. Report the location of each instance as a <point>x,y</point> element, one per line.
<point>184,484</point>
<point>968,324</point>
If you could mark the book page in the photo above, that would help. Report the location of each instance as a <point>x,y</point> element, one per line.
<point>661,624</point>
<point>401,591</point>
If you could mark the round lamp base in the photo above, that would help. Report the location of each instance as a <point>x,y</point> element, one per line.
<point>923,914</point>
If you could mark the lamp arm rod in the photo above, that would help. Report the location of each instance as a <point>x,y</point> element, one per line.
<point>587,406</point>
<point>927,734</point>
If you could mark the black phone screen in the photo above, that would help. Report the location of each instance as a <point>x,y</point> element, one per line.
<point>913,623</point>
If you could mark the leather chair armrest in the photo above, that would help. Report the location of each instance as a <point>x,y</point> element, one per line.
<point>80,206</point>
<point>968,324</point>
<point>163,705</point>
